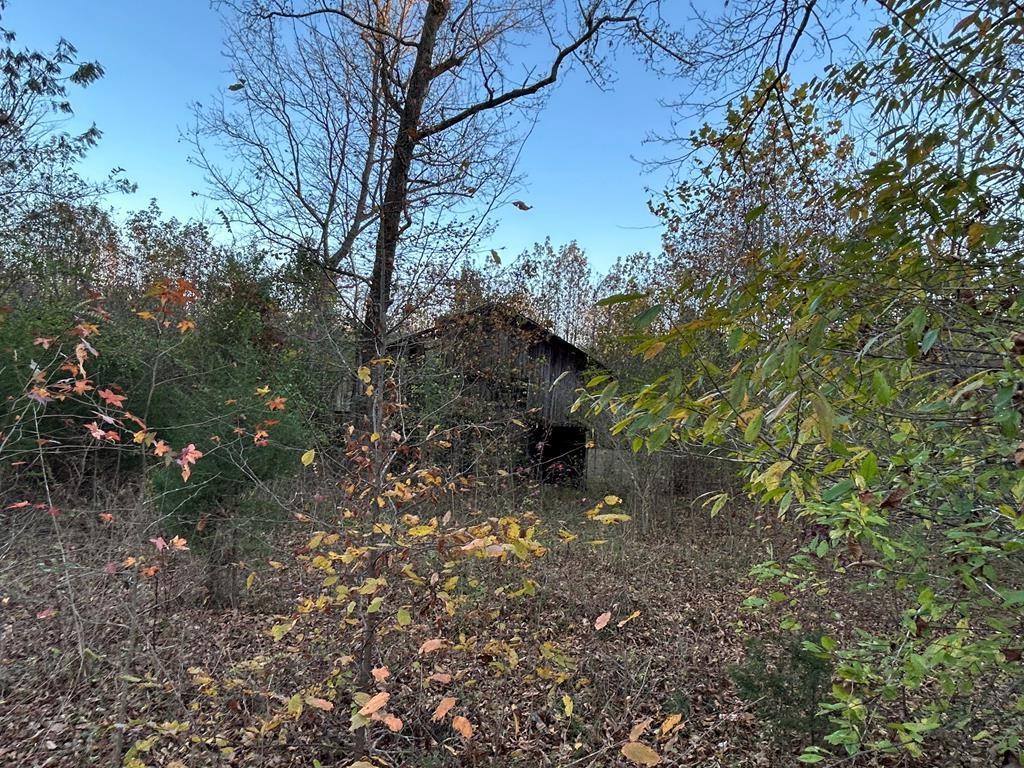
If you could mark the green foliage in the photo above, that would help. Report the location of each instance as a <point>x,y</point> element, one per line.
<point>874,376</point>
<point>785,683</point>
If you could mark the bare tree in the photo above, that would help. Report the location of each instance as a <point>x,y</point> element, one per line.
<point>372,125</point>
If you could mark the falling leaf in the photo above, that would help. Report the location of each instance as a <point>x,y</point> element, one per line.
<point>602,621</point>
<point>495,256</point>
<point>374,703</point>
<point>187,325</point>
<point>640,754</point>
<point>308,457</point>
<point>521,205</point>
<point>431,645</point>
<point>443,709</point>
<point>363,374</point>
<point>463,726</point>
<point>380,674</point>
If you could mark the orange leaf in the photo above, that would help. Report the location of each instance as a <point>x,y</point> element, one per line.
<point>380,674</point>
<point>393,723</point>
<point>437,677</point>
<point>110,398</point>
<point>670,723</point>
<point>443,709</point>
<point>602,621</point>
<point>432,645</point>
<point>323,704</point>
<point>463,726</point>
<point>376,702</point>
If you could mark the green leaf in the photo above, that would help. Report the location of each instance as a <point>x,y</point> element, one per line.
<point>825,416</point>
<point>620,298</point>
<point>647,317</point>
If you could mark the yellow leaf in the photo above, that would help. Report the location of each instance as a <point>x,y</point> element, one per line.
<point>654,350</point>
<point>308,457</point>
<point>670,723</point>
<point>295,705</point>
<point>403,617</point>
<point>280,630</point>
<point>611,501</point>
<point>567,704</point>
<point>640,754</point>
<point>363,374</point>
<point>628,619</point>
<point>263,391</point>
<point>611,518</point>
<point>250,580</point>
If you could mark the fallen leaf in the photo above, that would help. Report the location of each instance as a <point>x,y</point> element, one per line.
<point>323,704</point>
<point>429,646</point>
<point>670,724</point>
<point>380,674</point>
<point>463,726</point>
<point>602,621</point>
<point>638,729</point>
<point>443,709</point>
<point>625,621</point>
<point>640,754</point>
<point>375,702</point>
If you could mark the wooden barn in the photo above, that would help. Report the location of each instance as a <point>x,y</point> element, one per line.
<point>516,370</point>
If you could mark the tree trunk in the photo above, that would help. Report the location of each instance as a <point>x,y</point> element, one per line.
<point>397,186</point>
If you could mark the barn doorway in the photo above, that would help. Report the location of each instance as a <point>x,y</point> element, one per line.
<point>559,454</point>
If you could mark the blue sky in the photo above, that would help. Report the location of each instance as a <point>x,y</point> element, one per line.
<point>161,56</point>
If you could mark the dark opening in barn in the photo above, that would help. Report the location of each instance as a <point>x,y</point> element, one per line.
<point>559,453</point>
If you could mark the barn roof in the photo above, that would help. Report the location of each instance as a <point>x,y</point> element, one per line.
<point>507,315</point>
